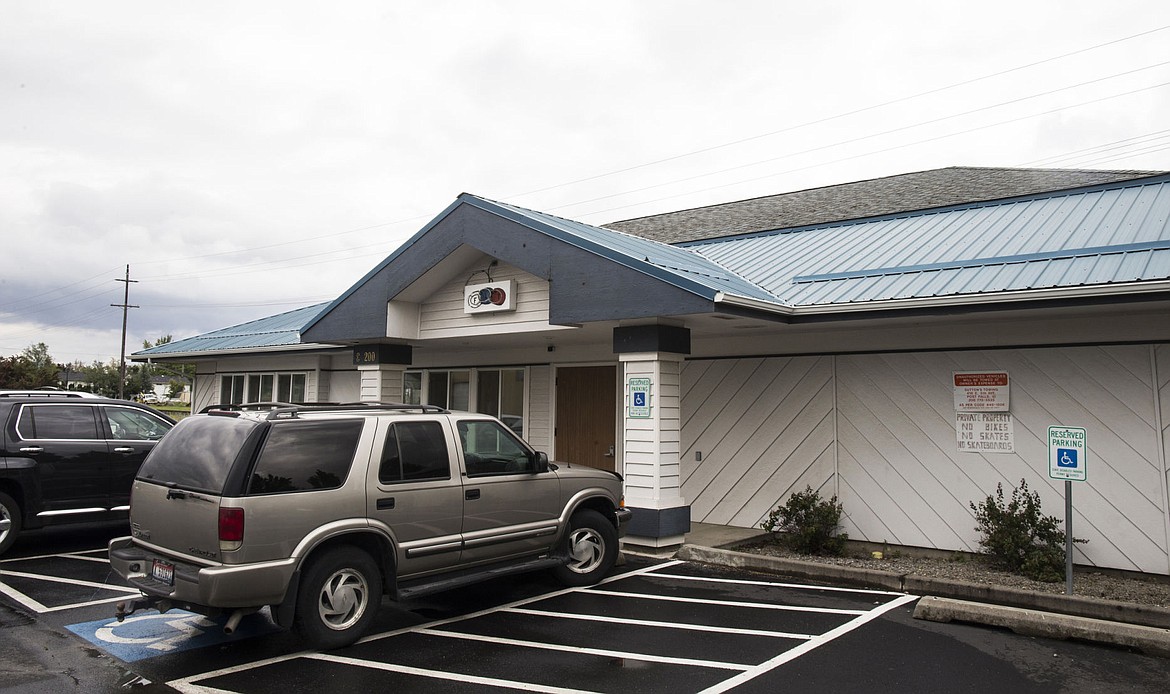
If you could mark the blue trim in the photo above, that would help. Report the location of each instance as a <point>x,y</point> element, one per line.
<point>984,262</point>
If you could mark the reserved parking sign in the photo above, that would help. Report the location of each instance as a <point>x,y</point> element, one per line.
<point>1067,453</point>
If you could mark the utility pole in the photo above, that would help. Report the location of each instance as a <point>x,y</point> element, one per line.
<point>125,306</point>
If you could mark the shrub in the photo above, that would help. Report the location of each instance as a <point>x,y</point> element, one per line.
<point>808,523</point>
<point>1018,537</point>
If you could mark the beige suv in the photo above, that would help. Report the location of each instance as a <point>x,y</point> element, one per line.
<point>319,511</point>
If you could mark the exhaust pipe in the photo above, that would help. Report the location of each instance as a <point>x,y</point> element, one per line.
<point>234,621</point>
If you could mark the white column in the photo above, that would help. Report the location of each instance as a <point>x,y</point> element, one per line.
<point>651,447</point>
<point>382,382</point>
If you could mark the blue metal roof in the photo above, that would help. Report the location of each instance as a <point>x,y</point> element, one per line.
<point>671,264</point>
<point>274,331</point>
<point>1105,235</point>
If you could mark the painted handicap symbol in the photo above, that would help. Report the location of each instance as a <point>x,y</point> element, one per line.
<point>1066,457</point>
<point>152,634</point>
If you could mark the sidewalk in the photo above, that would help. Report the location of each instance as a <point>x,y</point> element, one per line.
<point>1140,627</point>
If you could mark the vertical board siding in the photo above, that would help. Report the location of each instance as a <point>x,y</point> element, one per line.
<point>443,311</point>
<point>540,392</point>
<point>765,428</point>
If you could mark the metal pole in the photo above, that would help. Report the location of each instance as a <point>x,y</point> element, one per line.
<point>1068,538</point>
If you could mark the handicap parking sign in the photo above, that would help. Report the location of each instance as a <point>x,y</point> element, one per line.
<point>1067,453</point>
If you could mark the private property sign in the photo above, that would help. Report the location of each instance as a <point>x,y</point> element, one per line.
<point>984,432</point>
<point>981,391</point>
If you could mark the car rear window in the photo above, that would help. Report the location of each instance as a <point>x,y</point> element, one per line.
<point>305,456</point>
<point>198,453</point>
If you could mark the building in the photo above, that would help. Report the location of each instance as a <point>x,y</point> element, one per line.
<point>904,343</point>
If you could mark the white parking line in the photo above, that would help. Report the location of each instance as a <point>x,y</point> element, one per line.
<point>727,603</point>
<point>773,584</point>
<point>605,653</point>
<point>746,673</point>
<point>807,646</point>
<point>490,681</point>
<point>34,605</point>
<point>668,625</point>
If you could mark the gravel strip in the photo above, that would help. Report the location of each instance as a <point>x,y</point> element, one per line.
<point>1086,582</point>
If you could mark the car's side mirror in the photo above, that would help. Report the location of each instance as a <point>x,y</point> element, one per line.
<point>539,462</point>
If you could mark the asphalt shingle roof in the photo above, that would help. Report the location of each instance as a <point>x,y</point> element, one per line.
<point>880,196</point>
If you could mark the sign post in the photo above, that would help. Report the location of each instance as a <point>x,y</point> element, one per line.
<point>1067,460</point>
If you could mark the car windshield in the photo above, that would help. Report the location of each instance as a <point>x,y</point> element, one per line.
<point>198,453</point>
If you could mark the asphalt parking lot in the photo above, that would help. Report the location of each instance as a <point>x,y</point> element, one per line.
<point>657,626</point>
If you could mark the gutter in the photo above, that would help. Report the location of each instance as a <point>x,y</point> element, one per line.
<point>309,347</point>
<point>1101,290</point>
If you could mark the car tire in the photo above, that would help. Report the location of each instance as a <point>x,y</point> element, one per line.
<point>590,548</point>
<point>339,597</point>
<point>10,522</point>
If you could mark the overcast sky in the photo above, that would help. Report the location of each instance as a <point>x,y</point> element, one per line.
<point>250,158</point>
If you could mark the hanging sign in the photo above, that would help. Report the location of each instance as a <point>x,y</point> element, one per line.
<point>981,391</point>
<point>491,297</point>
<point>639,405</point>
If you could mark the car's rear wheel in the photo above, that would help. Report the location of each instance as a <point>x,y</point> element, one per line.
<point>591,547</point>
<point>339,598</point>
<point>9,522</point>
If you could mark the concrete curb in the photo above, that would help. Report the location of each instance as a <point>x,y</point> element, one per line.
<point>1148,640</point>
<point>1085,615</point>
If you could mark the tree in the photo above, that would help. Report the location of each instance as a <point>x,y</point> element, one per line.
<point>180,375</point>
<point>32,368</point>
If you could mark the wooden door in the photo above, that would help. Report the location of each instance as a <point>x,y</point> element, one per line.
<point>586,407</point>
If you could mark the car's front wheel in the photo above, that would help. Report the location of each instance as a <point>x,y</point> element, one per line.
<point>591,547</point>
<point>339,598</point>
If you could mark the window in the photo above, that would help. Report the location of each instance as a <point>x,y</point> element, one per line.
<point>449,389</point>
<point>132,425</point>
<point>497,392</point>
<point>305,456</point>
<point>414,451</point>
<point>57,422</point>
<point>489,449</point>
<point>270,387</point>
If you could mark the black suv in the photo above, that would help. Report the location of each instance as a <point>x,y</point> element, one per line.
<point>70,457</point>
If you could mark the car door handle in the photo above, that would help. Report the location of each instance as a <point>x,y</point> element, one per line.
<point>32,449</point>
<point>471,494</point>
<point>386,504</point>
<point>123,449</point>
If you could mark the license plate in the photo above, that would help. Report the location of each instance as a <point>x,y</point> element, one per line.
<point>163,572</point>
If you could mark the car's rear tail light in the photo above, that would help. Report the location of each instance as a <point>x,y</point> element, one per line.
<point>231,529</point>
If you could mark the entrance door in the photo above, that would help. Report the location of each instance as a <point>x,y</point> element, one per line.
<point>586,407</point>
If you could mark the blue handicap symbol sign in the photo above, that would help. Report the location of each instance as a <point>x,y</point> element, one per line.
<point>1066,457</point>
<point>639,398</point>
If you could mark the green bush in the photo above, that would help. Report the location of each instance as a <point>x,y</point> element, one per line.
<point>808,524</point>
<point>1018,537</point>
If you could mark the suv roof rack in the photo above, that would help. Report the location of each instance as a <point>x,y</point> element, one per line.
<point>46,393</point>
<point>290,411</point>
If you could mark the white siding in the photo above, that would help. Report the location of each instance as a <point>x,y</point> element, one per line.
<point>540,398</point>
<point>765,428</point>
<point>442,315</point>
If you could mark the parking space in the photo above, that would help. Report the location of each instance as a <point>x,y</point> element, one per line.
<point>57,582</point>
<point>669,627</point>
